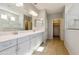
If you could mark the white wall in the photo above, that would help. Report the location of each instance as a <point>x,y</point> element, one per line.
<point>62,25</point>
<point>71,36</point>
<point>43,14</point>
<point>50,24</point>
<point>62,29</point>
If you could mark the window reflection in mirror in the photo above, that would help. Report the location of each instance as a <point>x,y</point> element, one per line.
<point>12,22</point>
<point>4,16</point>
<point>12,18</point>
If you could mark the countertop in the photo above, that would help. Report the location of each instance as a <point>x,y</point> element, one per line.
<point>15,35</point>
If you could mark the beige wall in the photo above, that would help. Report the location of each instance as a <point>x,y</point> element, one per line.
<point>62,29</point>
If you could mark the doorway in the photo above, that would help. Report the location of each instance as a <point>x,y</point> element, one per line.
<point>56,28</point>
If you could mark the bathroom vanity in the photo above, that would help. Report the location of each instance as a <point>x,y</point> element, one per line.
<point>21,43</point>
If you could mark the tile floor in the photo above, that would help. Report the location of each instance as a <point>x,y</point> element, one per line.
<point>53,47</point>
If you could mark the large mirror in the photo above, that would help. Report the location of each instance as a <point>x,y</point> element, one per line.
<point>8,21</point>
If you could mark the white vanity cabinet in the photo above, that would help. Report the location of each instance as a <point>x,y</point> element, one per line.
<point>23,46</point>
<point>36,40</point>
<point>40,38</point>
<point>33,42</point>
<point>8,47</point>
<point>9,51</point>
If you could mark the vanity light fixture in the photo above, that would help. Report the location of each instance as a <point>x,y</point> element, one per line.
<point>4,16</point>
<point>12,18</point>
<point>33,13</point>
<point>19,4</point>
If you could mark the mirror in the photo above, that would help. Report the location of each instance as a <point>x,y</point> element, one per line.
<point>8,21</point>
<point>39,23</point>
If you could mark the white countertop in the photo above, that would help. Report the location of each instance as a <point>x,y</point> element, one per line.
<point>10,36</point>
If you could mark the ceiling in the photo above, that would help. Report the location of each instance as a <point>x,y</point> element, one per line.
<point>18,9</point>
<point>50,7</point>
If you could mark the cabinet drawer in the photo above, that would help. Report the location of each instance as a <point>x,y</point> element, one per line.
<point>23,39</point>
<point>7,44</point>
<point>32,36</point>
<point>33,43</point>
<point>24,48</point>
<point>9,51</point>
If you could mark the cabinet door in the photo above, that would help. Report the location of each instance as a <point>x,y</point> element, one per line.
<point>23,48</point>
<point>36,40</point>
<point>9,51</point>
<point>33,43</point>
<point>39,38</point>
<point>23,39</point>
<point>7,44</point>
